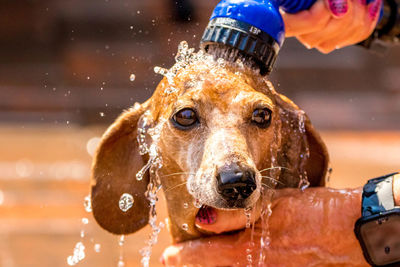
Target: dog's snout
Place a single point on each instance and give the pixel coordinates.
(235, 183)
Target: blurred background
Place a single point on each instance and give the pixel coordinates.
(65, 69)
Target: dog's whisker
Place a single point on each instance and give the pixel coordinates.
(277, 167)
(273, 179)
(173, 187)
(178, 173)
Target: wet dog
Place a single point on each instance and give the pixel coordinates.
(224, 137)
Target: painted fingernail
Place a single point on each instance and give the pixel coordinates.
(374, 9)
(338, 7)
(162, 260)
(206, 215)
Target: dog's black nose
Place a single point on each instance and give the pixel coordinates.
(234, 183)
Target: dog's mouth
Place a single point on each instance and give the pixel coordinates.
(206, 215)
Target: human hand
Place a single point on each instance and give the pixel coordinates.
(333, 24)
(313, 227)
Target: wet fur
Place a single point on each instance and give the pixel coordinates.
(224, 100)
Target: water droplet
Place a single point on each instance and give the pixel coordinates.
(197, 203)
(247, 212)
(85, 220)
(125, 202)
(121, 240)
(121, 263)
(185, 205)
(132, 77)
(97, 248)
(304, 184)
(82, 233)
(101, 114)
(249, 258)
(185, 226)
(139, 175)
(160, 70)
(87, 203)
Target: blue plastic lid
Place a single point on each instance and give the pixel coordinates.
(261, 14)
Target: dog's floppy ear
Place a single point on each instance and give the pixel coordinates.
(302, 149)
(115, 164)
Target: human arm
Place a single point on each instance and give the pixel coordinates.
(305, 228)
(310, 227)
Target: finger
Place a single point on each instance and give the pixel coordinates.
(365, 25)
(306, 21)
(348, 35)
(333, 29)
(337, 42)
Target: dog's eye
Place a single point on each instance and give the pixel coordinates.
(185, 117)
(261, 117)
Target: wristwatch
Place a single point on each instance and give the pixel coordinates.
(378, 229)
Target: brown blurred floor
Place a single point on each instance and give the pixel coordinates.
(44, 174)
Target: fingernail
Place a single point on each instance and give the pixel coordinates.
(374, 9)
(338, 7)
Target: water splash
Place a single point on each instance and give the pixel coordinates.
(249, 251)
(305, 151)
(78, 254)
(79, 250)
(125, 202)
(146, 252)
(148, 139)
(247, 213)
(121, 242)
(184, 57)
(266, 211)
(87, 203)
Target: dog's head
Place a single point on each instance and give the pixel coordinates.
(223, 136)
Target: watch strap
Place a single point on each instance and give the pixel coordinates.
(377, 195)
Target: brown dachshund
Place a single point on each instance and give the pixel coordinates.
(225, 136)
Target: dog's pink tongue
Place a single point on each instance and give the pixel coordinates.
(206, 215)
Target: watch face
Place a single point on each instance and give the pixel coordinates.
(382, 239)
